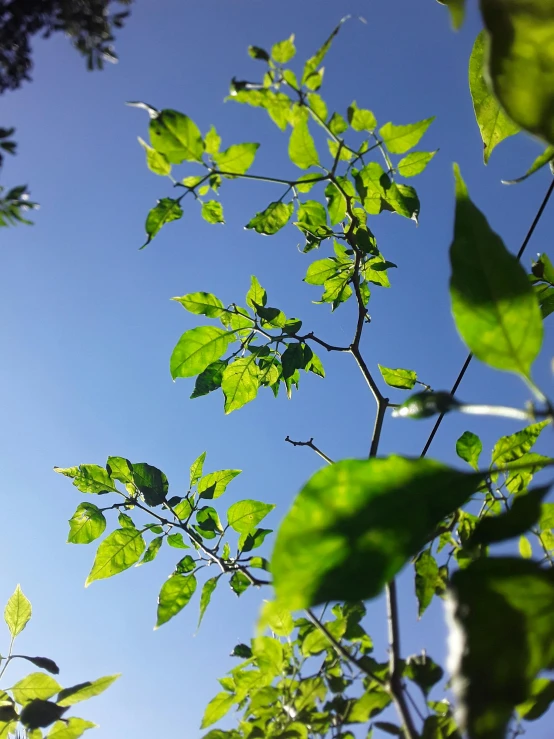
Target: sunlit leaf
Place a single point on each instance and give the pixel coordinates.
(84, 691)
(217, 708)
(426, 575)
(400, 378)
(209, 380)
(176, 136)
(414, 163)
(360, 119)
(202, 303)
(175, 594)
(206, 595)
(399, 139)
(151, 483)
(302, 151)
(240, 382)
(283, 51)
(166, 210)
(73, 728)
(198, 348)
(87, 524)
(214, 484)
(155, 160)
(468, 448)
(272, 219)
(89, 478)
(212, 211)
(36, 685)
(245, 515)
(17, 612)
(236, 160)
(119, 551)
(457, 11)
(196, 469)
(512, 447)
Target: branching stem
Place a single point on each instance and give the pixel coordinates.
(310, 443)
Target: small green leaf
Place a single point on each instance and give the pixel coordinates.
(277, 618)
(196, 469)
(256, 295)
(119, 551)
(512, 447)
(125, 521)
(360, 119)
(337, 124)
(284, 51)
(401, 378)
(208, 522)
(217, 708)
(84, 691)
(119, 468)
(245, 515)
(155, 160)
(176, 541)
(321, 270)
(89, 478)
(175, 594)
(214, 484)
(87, 524)
(414, 163)
(166, 210)
(206, 595)
(240, 383)
(185, 566)
(272, 219)
(336, 204)
(302, 151)
(318, 105)
(73, 728)
(356, 523)
(212, 142)
(313, 62)
(457, 11)
(252, 540)
(426, 576)
(197, 349)
(525, 548)
(236, 160)
(203, 304)
(212, 211)
(17, 612)
(257, 53)
(35, 685)
(151, 551)
(469, 448)
(399, 139)
(151, 483)
(239, 583)
(495, 310)
(370, 704)
(423, 672)
(176, 136)
(494, 124)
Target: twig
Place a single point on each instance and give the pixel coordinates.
(311, 444)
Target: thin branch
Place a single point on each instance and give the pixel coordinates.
(379, 418)
(324, 344)
(277, 180)
(367, 375)
(310, 444)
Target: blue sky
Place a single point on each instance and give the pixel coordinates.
(88, 326)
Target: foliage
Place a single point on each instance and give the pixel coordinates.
(357, 523)
(28, 704)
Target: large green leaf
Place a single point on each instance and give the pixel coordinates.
(89, 478)
(198, 348)
(236, 160)
(217, 708)
(240, 382)
(494, 307)
(272, 219)
(36, 685)
(399, 139)
(245, 515)
(119, 551)
(302, 151)
(469, 448)
(401, 378)
(87, 524)
(175, 594)
(201, 303)
(150, 482)
(512, 447)
(494, 124)
(521, 61)
(165, 211)
(176, 136)
(84, 691)
(17, 612)
(210, 379)
(214, 484)
(356, 523)
(502, 637)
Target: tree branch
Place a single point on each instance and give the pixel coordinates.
(311, 444)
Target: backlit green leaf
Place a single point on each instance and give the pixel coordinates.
(89, 478)
(198, 348)
(176, 136)
(313, 62)
(400, 378)
(150, 482)
(176, 541)
(208, 523)
(151, 551)
(256, 295)
(167, 210)
(318, 105)
(236, 160)
(426, 576)
(457, 11)
(86, 524)
(277, 618)
(399, 139)
(252, 540)
(119, 468)
(73, 728)
(175, 594)
(283, 51)
(212, 211)
(495, 310)
(414, 163)
(239, 583)
(155, 160)
(423, 672)
(268, 653)
(320, 271)
(360, 119)
(17, 612)
(36, 685)
(204, 304)
(521, 62)
(512, 447)
(245, 515)
(217, 708)
(196, 469)
(356, 523)
(206, 595)
(272, 219)
(209, 380)
(468, 448)
(84, 691)
(336, 203)
(370, 704)
(214, 484)
(240, 383)
(119, 551)
(212, 141)
(302, 151)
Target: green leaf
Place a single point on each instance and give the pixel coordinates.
(84, 691)
(423, 672)
(89, 478)
(399, 139)
(313, 62)
(414, 163)
(17, 612)
(151, 483)
(209, 380)
(495, 310)
(40, 713)
(426, 576)
(36, 685)
(73, 728)
(525, 548)
(43, 662)
(469, 448)
(206, 595)
(208, 522)
(356, 523)
(336, 203)
(284, 51)
(543, 269)
(197, 349)
(252, 540)
(401, 378)
(272, 219)
(239, 583)
(214, 484)
(217, 708)
(258, 53)
(375, 271)
(457, 13)
(337, 124)
(512, 447)
(256, 295)
(151, 551)
(320, 271)
(155, 160)
(542, 695)
(176, 136)
(236, 160)
(269, 655)
(119, 551)
(240, 383)
(360, 119)
(175, 594)
(176, 541)
(302, 151)
(494, 124)
(245, 515)
(212, 141)
(369, 705)
(276, 618)
(318, 105)
(166, 210)
(521, 63)
(494, 668)
(196, 469)
(523, 515)
(185, 565)
(125, 521)
(86, 524)
(425, 405)
(203, 304)
(212, 211)
(119, 468)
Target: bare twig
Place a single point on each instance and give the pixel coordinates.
(310, 443)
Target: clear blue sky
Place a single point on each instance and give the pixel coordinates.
(88, 326)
